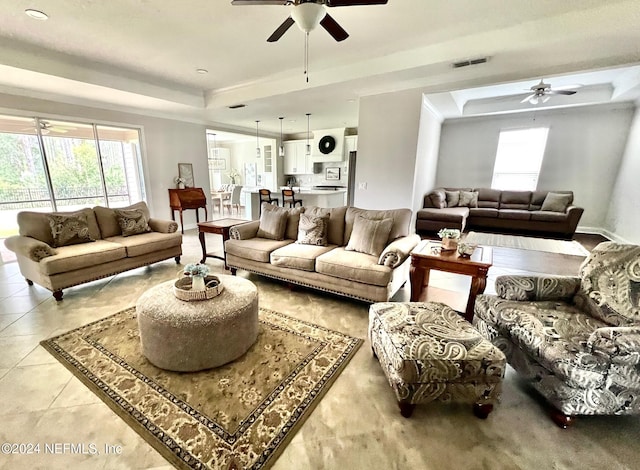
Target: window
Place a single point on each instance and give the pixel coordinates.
(48, 164)
(519, 158)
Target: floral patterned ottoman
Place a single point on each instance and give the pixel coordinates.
(430, 352)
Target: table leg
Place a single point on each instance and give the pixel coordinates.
(204, 247)
(478, 283)
(225, 237)
(419, 278)
(181, 222)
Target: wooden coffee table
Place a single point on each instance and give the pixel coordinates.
(220, 227)
(427, 256)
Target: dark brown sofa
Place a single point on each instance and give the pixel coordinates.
(549, 213)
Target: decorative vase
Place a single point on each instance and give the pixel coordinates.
(449, 243)
(180, 185)
(197, 283)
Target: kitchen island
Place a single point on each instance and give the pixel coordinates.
(310, 197)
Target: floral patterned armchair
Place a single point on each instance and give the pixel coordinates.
(575, 339)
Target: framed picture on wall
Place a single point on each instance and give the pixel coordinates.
(218, 164)
(185, 171)
(332, 173)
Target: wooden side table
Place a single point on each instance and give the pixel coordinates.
(427, 256)
(189, 198)
(220, 227)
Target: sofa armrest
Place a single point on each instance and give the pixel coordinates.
(523, 288)
(244, 231)
(398, 251)
(163, 226)
(29, 247)
(573, 217)
(621, 344)
(436, 198)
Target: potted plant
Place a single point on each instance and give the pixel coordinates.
(197, 273)
(449, 237)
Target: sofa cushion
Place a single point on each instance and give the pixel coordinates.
(452, 198)
(84, 255)
(556, 202)
(353, 266)
(256, 249)
(401, 220)
(369, 235)
(148, 242)
(273, 222)
(552, 333)
(108, 222)
(489, 197)
(293, 219)
(537, 198)
(483, 212)
(132, 222)
(69, 229)
(514, 214)
(610, 284)
(547, 216)
(36, 224)
(298, 256)
(312, 230)
(335, 230)
(468, 199)
(450, 214)
(515, 200)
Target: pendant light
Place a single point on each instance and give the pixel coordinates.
(257, 141)
(308, 134)
(281, 150)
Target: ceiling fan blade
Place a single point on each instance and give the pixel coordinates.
(261, 2)
(351, 3)
(528, 98)
(568, 87)
(277, 34)
(561, 92)
(333, 28)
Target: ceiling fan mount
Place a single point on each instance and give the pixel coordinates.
(541, 92)
(308, 14)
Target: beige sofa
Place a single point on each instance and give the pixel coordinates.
(102, 252)
(331, 268)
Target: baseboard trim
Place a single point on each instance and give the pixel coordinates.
(604, 232)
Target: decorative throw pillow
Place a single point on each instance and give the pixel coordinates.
(132, 222)
(312, 230)
(369, 236)
(452, 198)
(556, 202)
(273, 222)
(69, 229)
(468, 199)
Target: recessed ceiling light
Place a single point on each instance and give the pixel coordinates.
(202, 71)
(36, 14)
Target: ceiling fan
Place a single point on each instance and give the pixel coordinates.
(541, 92)
(308, 14)
(46, 127)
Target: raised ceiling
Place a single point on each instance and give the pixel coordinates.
(142, 56)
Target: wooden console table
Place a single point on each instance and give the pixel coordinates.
(189, 198)
(221, 227)
(427, 256)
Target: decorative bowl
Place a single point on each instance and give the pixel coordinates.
(465, 250)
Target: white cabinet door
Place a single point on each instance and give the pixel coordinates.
(296, 160)
(290, 158)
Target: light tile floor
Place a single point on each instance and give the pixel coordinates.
(356, 425)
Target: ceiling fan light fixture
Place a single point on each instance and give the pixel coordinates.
(308, 15)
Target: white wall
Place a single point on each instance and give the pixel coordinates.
(387, 142)
(584, 151)
(623, 217)
(426, 155)
(165, 143)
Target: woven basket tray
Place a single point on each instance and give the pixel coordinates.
(182, 289)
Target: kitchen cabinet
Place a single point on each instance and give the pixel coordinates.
(296, 160)
(350, 145)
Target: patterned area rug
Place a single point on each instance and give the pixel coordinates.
(237, 416)
(565, 247)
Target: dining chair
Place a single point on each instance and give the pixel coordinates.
(265, 196)
(234, 200)
(289, 197)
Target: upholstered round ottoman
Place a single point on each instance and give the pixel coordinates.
(191, 336)
(430, 352)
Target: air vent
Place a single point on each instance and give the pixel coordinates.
(466, 63)
(236, 106)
